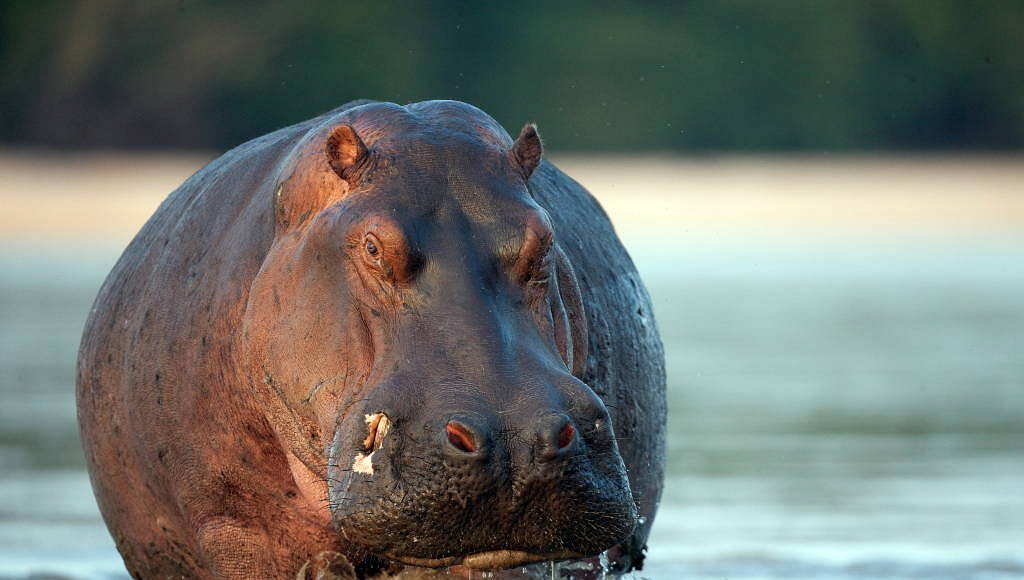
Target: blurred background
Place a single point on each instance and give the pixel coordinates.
(826, 200)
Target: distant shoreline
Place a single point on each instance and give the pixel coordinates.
(52, 196)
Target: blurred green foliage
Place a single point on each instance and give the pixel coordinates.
(827, 75)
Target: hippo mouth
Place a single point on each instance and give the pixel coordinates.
(489, 560)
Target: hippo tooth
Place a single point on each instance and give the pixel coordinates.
(379, 425)
(363, 464)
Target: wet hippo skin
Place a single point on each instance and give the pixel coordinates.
(387, 339)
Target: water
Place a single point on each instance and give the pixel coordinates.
(840, 408)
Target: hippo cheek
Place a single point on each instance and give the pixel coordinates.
(437, 496)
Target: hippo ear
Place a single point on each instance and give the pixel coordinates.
(345, 152)
(528, 149)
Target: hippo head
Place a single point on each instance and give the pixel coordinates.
(416, 334)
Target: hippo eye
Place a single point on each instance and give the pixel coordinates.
(372, 246)
(532, 265)
(541, 271)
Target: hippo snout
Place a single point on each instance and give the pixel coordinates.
(485, 488)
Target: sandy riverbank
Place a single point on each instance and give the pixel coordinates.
(110, 195)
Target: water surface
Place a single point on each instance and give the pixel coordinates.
(840, 408)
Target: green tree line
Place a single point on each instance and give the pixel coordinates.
(745, 75)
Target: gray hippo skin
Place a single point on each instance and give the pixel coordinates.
(387, 340)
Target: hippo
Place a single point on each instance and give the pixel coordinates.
(389, 340)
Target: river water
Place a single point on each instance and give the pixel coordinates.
(842, 408)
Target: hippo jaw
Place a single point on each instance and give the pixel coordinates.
(490, 560)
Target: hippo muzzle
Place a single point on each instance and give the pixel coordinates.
(436, 482)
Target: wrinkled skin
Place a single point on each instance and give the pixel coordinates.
(384, 340)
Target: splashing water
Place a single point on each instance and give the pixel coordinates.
(590, 569)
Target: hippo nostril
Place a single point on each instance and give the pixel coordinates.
(566, 435)
(460, 437)
(555, 436)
